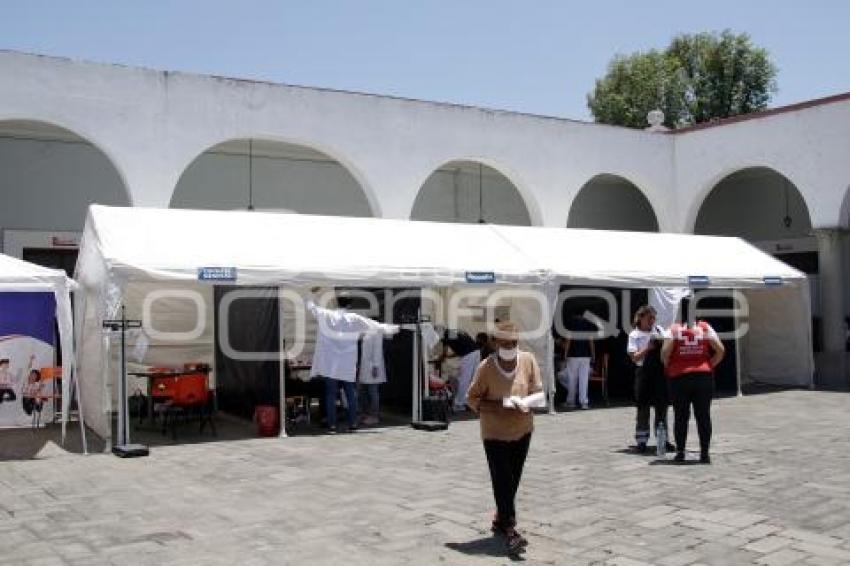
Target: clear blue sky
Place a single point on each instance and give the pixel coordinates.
(531, 56)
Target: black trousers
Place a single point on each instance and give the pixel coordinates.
(695, 389)
(506, 460)
(30, 404)
(7, 394)
(650, 391)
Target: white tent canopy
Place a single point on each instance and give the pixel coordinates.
(647, 259)
(123, 247)
(21, 276)
(777, 348)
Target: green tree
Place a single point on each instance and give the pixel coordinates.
(697, 78)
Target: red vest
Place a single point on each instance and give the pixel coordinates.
(691, 350)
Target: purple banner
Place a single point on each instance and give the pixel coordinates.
(28, 314)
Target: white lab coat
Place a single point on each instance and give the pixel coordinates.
(335, 355)
(372, 368)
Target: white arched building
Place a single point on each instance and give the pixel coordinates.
(73, 133)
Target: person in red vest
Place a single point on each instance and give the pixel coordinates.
(690, 353)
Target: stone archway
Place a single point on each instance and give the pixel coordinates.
(50, 175)
(757, 204)
(470, 192)
(270, 175)
(611, 202)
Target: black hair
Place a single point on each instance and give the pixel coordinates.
(685, 305)
(4, 361)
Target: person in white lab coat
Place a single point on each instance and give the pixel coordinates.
(335, 356)
(372, 373)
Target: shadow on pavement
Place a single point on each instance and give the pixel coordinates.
(485, 546)
(674, 463)
(45, 442)
(648, 453)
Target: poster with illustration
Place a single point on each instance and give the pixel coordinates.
(27, 342)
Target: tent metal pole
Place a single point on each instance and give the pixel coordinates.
(107, 382)
(281, 364)
(736, 322)
(414, 402)
(80, 413)
(550, 353)
(125, 435)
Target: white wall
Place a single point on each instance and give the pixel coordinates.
(48, 185)
(809, 146)
(609, 202)
(153, 124)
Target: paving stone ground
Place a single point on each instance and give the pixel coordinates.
(778, 492)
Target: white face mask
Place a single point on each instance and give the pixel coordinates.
(508, 355)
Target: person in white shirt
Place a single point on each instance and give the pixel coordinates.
(7, 382)
(644, 349)
(32, 399)
(335, 355)
(580, 351)
(372, 373)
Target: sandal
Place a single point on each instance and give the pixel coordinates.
(497, 529)
(514, 542)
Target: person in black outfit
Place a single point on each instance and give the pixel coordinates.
(644, 349)
(485, 344)
(457, 343)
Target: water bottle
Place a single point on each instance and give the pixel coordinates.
(661, 440)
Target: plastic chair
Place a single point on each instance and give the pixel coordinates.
(54, 376)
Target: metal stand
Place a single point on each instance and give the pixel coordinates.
(420, 378)
(123, 449)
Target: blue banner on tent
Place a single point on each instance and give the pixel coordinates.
(26, 348)
(480, 277)
(217, 274)
(28, 314)
(698, 281)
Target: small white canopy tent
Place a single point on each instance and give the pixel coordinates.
(777, 348)
(125, 249)
(21, 276)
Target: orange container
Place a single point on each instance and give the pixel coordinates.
(183, 390)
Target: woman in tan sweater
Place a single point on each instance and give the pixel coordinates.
(504, 388)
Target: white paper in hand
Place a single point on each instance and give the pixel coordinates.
(535, 400)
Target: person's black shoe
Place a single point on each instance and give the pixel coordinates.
(669, 447)
(704, 458)
(679, 458)
(352, 428)
(331, 430)
(515, 542)
(641, 447)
